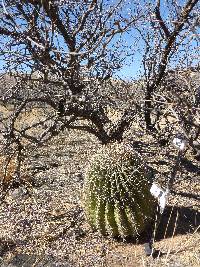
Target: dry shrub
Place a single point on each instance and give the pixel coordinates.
(9, 171)
(113, 114)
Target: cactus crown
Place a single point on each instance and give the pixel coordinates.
(117, 199)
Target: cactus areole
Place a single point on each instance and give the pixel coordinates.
(117, 196)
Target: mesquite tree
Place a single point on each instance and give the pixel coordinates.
(171, 71)
(171, 42)
(64, 57)
(62, 53)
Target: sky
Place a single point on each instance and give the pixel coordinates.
(132, 65)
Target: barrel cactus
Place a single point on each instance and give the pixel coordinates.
(117, 196)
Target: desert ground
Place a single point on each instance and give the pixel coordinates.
(42, 222)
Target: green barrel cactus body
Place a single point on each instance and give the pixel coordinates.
(117, 196)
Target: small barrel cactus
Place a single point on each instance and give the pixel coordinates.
(117, 196)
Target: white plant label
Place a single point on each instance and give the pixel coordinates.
(161, 195)
(179, 143)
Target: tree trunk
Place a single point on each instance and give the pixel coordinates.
(148, 108)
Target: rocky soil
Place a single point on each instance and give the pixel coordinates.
(42, 223)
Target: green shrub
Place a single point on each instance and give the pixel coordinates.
(117, 199)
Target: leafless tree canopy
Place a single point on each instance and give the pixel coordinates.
(65, 50)
(64, 57)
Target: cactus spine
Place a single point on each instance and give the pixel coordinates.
(117, 199)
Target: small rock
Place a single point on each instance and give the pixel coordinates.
(19, 192)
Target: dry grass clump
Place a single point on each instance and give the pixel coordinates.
(113, 114)
(7, 170)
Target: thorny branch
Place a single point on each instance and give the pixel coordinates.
(63, 58)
